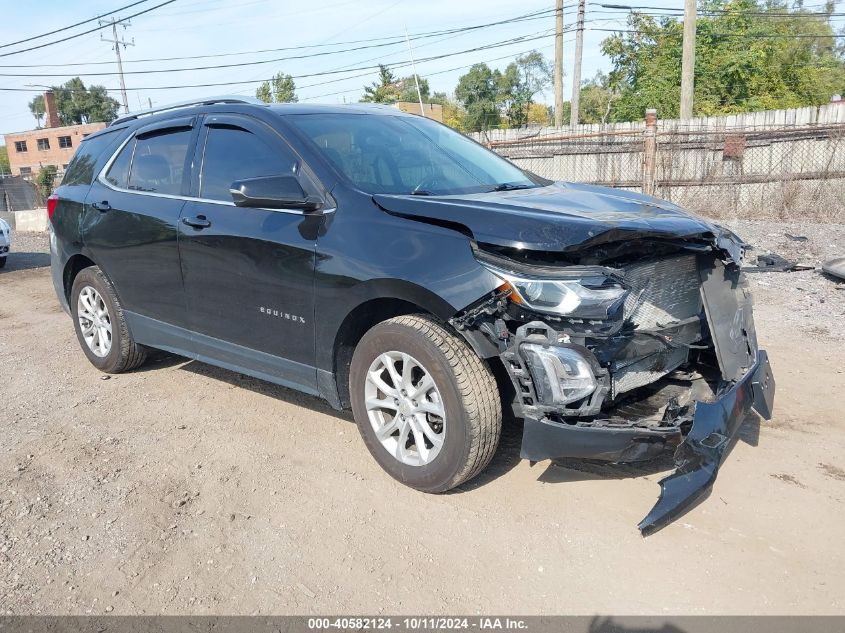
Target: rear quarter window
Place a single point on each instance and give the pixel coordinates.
(81, 170)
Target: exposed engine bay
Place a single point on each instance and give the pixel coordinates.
(626, 349)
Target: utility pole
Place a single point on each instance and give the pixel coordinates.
(117, 44)
(414, 70)
(576, 74)
(688, 60)
(559, 63)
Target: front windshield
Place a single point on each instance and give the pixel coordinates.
(407, 155)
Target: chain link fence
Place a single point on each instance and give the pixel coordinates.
(721, 167)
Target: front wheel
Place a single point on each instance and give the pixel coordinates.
(425, 404)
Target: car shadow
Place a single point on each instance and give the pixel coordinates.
(641, 624)
(507, 455)
(264, 388)
(567, 470)
(17, 260)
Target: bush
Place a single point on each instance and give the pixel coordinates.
(45, 179)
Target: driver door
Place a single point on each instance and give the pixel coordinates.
(248, 272)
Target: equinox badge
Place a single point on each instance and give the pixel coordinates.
(282, 315)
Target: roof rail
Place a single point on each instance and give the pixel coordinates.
(187, 104)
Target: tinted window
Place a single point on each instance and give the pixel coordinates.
(233, 154)
(118, 173)
(405, 154)
(80, 171)
(158, 163)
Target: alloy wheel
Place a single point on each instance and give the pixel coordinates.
(405, 408)
(94, 321)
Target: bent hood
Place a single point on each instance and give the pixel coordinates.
(560, 217)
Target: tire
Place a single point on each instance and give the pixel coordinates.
(463, 388)
(3, 261)
(123, 353)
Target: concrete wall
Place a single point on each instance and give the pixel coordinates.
(32, 220)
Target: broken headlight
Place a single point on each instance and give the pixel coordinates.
(561, 374)
(580, 293)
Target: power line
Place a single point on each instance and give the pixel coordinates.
(636, 8)
(98, 28)
(739, 35)
(438, 72)
(517, 40)
(394, 40)
(73, 26)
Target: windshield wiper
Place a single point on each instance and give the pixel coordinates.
(421, 192)
(507, 186)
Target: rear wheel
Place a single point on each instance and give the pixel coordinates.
(427, 407)
(100, 325)
(3, 261)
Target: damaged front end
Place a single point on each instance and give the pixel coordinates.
(622, 350)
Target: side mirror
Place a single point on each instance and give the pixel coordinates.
(273, 192)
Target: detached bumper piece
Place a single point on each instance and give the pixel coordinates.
(714, 427)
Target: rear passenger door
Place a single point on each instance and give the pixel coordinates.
(131, 219)
(248, 272)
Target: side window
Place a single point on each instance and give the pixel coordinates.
(158, 162)
(80, 171)
(118, 173)
(233, 154)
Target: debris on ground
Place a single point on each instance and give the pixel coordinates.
(835, 267)
(774, 263)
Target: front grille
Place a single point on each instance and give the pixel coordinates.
(647, 370)
(663, 292)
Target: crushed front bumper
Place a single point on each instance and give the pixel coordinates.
(700, 430)
(715, 424)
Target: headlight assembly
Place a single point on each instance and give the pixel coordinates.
(579, 293)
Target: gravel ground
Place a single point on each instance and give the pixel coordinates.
(808, 300)
(181, 488)
(29, 250)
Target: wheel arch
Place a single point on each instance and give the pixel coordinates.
(382, 300)
(74, 265)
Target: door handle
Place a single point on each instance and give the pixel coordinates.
(102, 207)
(199, 222)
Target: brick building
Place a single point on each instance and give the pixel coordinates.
(53, 144)
(432, 110)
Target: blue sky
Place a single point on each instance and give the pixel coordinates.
(211, 27)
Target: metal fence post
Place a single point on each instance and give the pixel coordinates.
(649, 151)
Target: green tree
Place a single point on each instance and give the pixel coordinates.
(77, 104)
(45, 179)
(4, 160)
(478, 92)
(597, 98)
(280, 89)
(745, 60)
(36, 106)
(385, 90)
(519, 84)
(407, 88)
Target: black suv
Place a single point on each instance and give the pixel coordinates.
(387, 263)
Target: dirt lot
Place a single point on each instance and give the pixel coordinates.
(182, 488)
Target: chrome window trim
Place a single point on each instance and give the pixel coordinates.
(101, 178)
